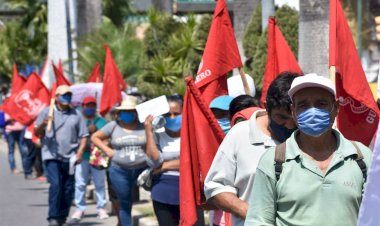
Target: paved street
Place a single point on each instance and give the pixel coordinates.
(24, 203)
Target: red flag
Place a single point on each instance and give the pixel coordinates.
(279, 57)
(17, 80)
(111, 66)
(60, 67)
(60, 79)
(221, 53)
(197, 143)
(25, 105)
(200, 133)
(113, 83)
(95, 74)
(358, 115)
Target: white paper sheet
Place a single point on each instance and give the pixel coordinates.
(157, 106)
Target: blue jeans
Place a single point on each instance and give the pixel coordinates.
(83, 171)
(61, 190)
(12, 138)
(123, 181)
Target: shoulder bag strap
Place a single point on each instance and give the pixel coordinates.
(279, 159)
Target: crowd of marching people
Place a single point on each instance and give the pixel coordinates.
(273, 166)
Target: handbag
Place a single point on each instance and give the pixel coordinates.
(145, 179)
(98, 158)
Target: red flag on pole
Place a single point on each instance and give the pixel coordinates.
(221, 53)
(95, 74)
(25, 105)
(112, 68)
(279, 57)
(60, 79)
(199, 143)
(200, 133)
(113, 84)
(17, 81)
(358, 115)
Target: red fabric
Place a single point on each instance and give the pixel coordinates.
(111, 66)
(17, 81)
(221, 53)
(245, 114)
(200, 139)
(60, 79)
(25, 105)
(113, 83)
(280, 58)
(201, 135)
(95, 74)
(358, 115)
(228, 218)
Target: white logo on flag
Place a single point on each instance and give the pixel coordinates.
(31, 106)
(203, 75)
(358, 109)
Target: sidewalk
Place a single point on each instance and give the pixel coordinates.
(24, 202)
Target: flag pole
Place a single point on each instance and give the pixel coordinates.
(51, 114)
(332, 73)
(244, 80)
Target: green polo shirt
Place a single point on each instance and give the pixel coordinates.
(303, 195)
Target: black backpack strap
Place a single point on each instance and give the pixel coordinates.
(279, 159)
(359, 160)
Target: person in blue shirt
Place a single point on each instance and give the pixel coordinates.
(84, 170)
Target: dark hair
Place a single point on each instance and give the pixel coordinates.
(175, 98)
(277, 94)
(242, 102)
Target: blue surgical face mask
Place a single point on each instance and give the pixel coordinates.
(314, 121)
(65, 99)
(281, 132)
(224, 124)
(127, 117)
(173, 124)
(89, 112)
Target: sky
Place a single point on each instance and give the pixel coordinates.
(292, 3)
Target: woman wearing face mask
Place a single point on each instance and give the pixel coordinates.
(127, 138)
(166, 145)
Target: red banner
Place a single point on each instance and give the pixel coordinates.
(358, 115)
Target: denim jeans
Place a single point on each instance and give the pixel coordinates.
(123, 181)
(83, 171)
(12, 138)
(61, 190)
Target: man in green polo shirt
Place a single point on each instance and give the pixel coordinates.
(321, 182)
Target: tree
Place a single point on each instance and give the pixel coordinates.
(24, 41)
(127, 50)
(256, 40)
(174, 49)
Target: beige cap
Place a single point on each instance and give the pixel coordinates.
(62, 89)
(128, 103)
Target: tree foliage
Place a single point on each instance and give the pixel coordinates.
(256, 40)
(127, 50)
(171, 49)
(24, 41)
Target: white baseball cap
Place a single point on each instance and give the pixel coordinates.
(310, 81)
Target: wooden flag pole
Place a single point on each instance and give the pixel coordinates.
(51, 114)
(332, 73)
(244, 80)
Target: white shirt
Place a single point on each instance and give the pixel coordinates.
(234, 166)
(170, 148)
